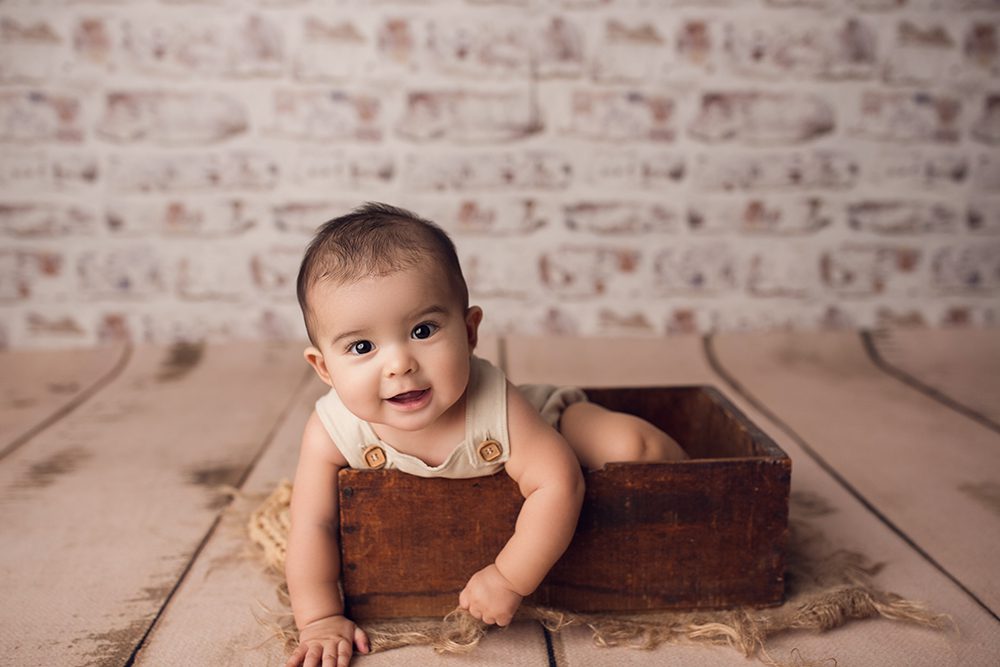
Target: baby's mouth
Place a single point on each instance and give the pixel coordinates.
(409, 397)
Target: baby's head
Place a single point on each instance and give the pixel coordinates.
(371, 241)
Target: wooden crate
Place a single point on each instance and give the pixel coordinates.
(705, 533)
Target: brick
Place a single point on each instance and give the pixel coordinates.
(121, 271)
(114, 327)
(326, 50)
(985, 173)
(535, 169)
(607, 115)
(468, 116)
(615, 323)
(191, 172)
(761, 117)
(967, 267)
(629, 52)
(55, 329)
(898, 116)
(621, 218)
(28, 51)
(898, 318)
(981, 46)
(791, 274)
(201, 277)
(94, 40)
(921, 170)
(589, 271)
(171, 118)
(492, 275)
(212, 44)
(396, 41)
(23, 172)
(491, 47)
(865, 270)
(20, 171)
(22, 220)
(986, 127)
(30, 274)
(772, 215)
(631, 171)
(685, 321)
(702, 269)
(273, 271)
(952, 5)
(983, 216)
(822, 168)
(695, 42)
(880, 4)
(332, 169)
(313, 115)
(922, 54)
(830, 50)
(902, 217)
(39, 116)
(211, 219)
(301, 217)
(492, 218)
(559, 48)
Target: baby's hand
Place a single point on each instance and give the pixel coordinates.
(334, 636)
(490, 597)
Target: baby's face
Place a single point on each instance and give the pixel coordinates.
(397, 348)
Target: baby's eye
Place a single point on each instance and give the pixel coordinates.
(361, 347)
(424, 330)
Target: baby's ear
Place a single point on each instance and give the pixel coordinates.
(315, 359)
(473, 318)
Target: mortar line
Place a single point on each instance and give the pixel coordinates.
(758, 405)
(268, 440)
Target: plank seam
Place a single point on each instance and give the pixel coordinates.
(914, 383)
(739, 388)
(550, 650)
(218, 519)
(72, 405)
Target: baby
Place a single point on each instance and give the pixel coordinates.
(387, 312)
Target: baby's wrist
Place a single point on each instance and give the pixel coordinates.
(510, 584)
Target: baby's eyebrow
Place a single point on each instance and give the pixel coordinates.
(436, 309)
(346, 334)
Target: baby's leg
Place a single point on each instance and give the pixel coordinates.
(600, 436)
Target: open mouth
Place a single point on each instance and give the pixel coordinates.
(410, 399)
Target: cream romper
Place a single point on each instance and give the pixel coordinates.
(486, 446)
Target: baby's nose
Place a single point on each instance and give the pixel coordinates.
(400, 362)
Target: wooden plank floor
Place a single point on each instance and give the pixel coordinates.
(119, 549)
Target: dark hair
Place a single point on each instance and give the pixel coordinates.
(376, 240)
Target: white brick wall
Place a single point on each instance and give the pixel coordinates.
(605, 166)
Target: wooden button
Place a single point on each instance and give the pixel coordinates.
(374, 456)
(490, 450)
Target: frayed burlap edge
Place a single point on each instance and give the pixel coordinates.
(826, 588)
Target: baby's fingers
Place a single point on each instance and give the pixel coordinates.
(295, 658)
(361, 640)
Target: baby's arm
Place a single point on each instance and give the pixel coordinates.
(312, 565)
(549, 477)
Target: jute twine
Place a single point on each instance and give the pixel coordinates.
(825, 588)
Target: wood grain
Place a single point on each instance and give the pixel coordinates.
(961, 364)
(918, 461)
(819, 503)
(219, 614)
(39, 386)
(101, 515)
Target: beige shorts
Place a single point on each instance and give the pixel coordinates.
(551, 401)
